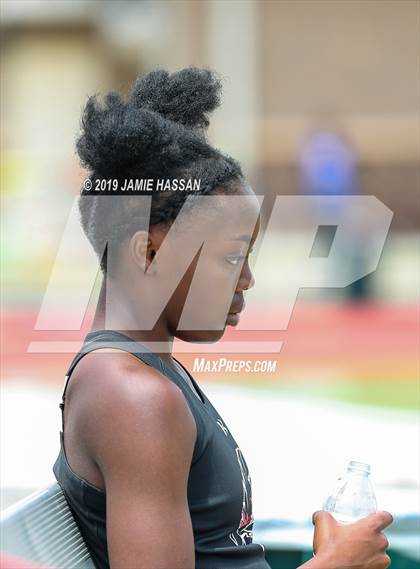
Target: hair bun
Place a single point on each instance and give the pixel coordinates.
(187, 96)
(116, 136)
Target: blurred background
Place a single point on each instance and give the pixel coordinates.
(320, 97)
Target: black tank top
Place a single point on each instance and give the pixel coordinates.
(219, 485)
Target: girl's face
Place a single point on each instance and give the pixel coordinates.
(210, 295)
(197, 269)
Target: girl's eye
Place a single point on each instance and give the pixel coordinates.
(235, 259)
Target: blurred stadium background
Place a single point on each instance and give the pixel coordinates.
(341, 75)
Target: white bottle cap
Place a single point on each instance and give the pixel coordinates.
(361, 466)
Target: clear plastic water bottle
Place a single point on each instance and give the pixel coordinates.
(353, 497)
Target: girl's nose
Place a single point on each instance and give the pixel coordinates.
(246, 281)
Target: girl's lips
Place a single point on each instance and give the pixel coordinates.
(232, 319)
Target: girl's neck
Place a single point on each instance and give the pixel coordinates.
(156, 340)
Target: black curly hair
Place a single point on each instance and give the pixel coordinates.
(158, 132)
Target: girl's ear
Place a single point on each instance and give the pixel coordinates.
(142, 252)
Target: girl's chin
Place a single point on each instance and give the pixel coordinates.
(232, 319)
(200, 336)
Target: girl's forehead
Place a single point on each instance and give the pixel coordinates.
(221, 217)
(233, 209)
(238, 217)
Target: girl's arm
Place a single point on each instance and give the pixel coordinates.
(141, 434)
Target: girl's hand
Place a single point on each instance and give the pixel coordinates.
(359, 545)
